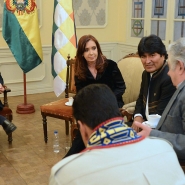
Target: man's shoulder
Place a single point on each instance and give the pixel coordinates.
(163, 72)
(159, 140)
(181, 93)
(64, 162)
(152, 139)
(157, 146)
(60, 167)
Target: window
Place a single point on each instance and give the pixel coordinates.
(165, 18)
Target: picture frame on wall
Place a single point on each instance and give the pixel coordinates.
(90, 14)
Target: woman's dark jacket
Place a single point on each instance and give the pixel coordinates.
(111, 77)
(1, 79)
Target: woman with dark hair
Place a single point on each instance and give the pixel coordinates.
(92, 67)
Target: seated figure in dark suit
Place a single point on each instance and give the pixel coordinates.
(6, 124)
(172, 123)
(156, 86)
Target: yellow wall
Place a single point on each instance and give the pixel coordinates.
(115, 30)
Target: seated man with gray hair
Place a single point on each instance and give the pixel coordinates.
(114, 153)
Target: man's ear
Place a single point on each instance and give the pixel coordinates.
(80, 124)
(84, 131)
(181, 67)
(82, 127)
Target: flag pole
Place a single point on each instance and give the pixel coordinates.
(25, 108)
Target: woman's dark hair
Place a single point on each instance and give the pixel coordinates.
(152, 44)
(81, 63)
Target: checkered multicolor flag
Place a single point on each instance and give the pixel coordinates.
(63, 42)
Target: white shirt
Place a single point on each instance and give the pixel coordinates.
(150, 161)
(146, 110)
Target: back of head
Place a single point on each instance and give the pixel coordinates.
(176, 52)
(152, 44)
(95, 104)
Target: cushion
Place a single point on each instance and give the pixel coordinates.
(131, 69)
(132, 104)
(58, 108)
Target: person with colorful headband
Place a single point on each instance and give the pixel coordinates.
(114, 153)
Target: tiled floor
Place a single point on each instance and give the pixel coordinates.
(28, 159)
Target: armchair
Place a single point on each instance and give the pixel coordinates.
(131, 69)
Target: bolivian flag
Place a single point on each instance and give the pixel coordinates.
(63, 42)
(21, 32)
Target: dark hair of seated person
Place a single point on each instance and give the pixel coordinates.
(93, 111)
(152, 44)
(93, 105)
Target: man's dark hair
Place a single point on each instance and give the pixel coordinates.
(95, 104)
(152, 44)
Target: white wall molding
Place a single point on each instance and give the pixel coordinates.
(116, 51)
(40, 80)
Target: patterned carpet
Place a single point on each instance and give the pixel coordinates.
(28, 159)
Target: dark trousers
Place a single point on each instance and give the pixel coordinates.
(77, 145)
(2, 118)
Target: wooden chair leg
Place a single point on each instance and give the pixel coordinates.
(45, 128)
(10, 138)
(74, 129)
(67, 127)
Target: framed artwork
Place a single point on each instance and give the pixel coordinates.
(39, 5)
(90, 13)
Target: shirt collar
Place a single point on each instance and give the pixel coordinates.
(179, 84)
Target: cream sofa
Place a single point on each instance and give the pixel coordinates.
(131, 69)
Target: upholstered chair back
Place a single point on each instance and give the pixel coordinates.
(70, 81)
(131, 69)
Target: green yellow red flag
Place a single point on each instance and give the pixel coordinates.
(21, 32)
